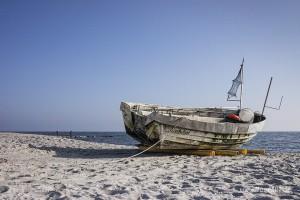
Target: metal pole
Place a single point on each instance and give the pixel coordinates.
(242, 78)
(267, 96)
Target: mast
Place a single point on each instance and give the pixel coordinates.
(236, 83)
(242, 78)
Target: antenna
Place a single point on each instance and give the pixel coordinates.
(242, 78)
(278, 108)
(266, 99)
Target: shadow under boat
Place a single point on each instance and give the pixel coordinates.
(84, 153)
(117, 138)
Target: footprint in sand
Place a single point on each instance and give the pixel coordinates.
(107, 185)
(227, 180)
(239, 188)
(92, 175)
(166, 182)
(251, 165)
(4, 188)
(210, 178)
(173, 187)
(144, 196)
(286, 178)
(262, 198)
(287, 197)
(162, 196)
(91, 170)
(75, 171)
(235, 171)
(53, 195)
(274, 181)
(237, 194)
(200, 198)
(175, 192)
(25, 175)
(28, 181)
(137, 179)
(85, 188)
(258, 176)
(186, 185)
(76, 195)
(194, 180)
(119, 190)
(296, 190)
(262, 186)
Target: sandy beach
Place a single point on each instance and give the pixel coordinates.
(50, 167)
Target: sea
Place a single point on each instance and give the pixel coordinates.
(270, 141)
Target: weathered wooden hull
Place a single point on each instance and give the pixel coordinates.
(187, 128)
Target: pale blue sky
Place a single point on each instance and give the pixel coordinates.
(68, 64)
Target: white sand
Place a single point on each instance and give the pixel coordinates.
(49, 167)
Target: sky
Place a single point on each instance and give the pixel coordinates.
(67, 65)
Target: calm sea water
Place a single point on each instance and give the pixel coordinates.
(276, 141)
(271, 141)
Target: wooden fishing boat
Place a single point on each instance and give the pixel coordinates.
(188, 128)
(194, 128)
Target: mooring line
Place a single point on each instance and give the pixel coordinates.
(146, 149)
(175, 126)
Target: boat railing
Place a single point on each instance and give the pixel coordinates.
(204, 112)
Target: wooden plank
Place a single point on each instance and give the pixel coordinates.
(226, 153)
(257, 151)
(205, 152)
(243, 151)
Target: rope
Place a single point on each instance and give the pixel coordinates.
(146, 149)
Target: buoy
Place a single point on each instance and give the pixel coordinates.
(233, 117)
(246, 115)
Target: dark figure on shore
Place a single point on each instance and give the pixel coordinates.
(70, 134)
